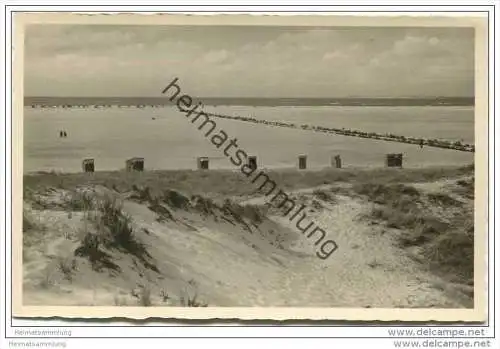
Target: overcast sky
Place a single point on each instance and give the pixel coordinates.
(232, 61)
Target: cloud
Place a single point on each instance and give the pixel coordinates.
(217, 56)
(239, 61)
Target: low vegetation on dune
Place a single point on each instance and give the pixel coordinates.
(105, 236)
(250, 218)
(324, 195)
(465, 187)
(165, 202)
(110, 229)
(140, 234)
(254, 214)
(439, 224)
(223, 183)
(115, 227)
(27, 221)
(32, 231)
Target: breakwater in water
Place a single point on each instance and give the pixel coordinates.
(457, 145)
(431, 142)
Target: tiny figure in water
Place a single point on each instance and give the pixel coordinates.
(60, 133)
(65, 134)
(421, 143)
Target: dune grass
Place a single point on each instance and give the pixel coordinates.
(33, 231)
(446, 242)
(325, 195)
(112, 229)
(145, 297)
(77, 200)
(221, 183)
(28, 223)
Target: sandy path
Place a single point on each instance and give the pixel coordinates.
(366, 270)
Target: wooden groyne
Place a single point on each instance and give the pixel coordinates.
(356, 133)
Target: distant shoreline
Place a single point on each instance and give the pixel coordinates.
(40, 101)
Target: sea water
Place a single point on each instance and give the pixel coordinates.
(167, 139)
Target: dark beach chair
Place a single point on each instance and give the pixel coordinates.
(302, 162)
(202, 163)
(394, 160)
(88, 165)
(135, 164)
(252, 162)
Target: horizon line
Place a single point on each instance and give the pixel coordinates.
(221, 97)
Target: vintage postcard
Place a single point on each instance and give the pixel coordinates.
(250, 167)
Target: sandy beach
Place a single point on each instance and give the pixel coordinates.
(170, 142)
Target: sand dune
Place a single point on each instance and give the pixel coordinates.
(190, 250)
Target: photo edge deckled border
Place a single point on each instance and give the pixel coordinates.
(478, 314)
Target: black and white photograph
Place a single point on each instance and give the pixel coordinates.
(168, 166)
